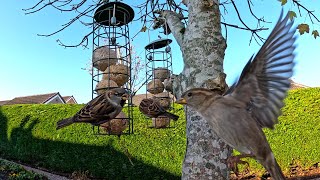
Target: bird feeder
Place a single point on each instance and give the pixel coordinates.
(158, 69)
(111, 59)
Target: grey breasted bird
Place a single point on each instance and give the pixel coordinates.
(153, 109)
(100, 109)
(254, 102)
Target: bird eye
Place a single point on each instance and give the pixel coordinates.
(116, 94)
(189, 94)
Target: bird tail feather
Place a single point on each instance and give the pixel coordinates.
(273, 167)
(64, 122)
(171, 116)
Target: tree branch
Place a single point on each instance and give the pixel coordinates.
(310, 13)
(253, 14)
(254, 34)
(173, 20)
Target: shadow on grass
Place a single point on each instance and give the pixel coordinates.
(103, 162)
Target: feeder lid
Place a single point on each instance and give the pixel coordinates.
(159, 43)
(104, 13)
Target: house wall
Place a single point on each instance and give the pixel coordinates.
(55, 100)
(71, 101)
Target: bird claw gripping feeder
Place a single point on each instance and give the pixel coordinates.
(111, 61)
(159, 71)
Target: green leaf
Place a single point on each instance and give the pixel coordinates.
(303, 28)
(315, 33)
(292, 15)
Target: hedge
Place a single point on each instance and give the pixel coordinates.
(27, 133)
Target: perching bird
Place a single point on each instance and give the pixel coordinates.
(100, 109)
(254, 102)
(153, 109)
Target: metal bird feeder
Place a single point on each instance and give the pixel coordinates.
(111, 61)
(158, 70)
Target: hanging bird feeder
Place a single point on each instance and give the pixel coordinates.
(159, 68)
(111, 60)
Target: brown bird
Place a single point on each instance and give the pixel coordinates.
(100, 109)
(254, 102)
(153, 109)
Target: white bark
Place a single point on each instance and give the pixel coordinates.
(203, 48)
(176, 24)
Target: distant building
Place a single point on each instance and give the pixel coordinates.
(295, 85)
(69, 100)
(3, 102)
(136, 99)
(51, 98)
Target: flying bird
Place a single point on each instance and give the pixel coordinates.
(254, 102)
(153, 109)
(99, 110)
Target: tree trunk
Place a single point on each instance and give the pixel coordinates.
(203, 47)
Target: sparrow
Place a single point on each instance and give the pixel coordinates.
(254, 102)
(153, 109)
(99, 110)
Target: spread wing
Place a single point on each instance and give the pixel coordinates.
(264, 81)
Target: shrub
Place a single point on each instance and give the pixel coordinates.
(28, 134)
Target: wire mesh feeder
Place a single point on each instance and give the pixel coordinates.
(158, 69)
(111, 61)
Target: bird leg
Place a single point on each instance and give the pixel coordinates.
(233, 162)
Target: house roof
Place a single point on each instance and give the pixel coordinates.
(136, 99)
(34, 99)
(4, 102)
(68, 98)
(294, 85)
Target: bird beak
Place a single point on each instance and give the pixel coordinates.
(125, 97)
(181, 101)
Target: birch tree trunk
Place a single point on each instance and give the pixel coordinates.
(203, 47)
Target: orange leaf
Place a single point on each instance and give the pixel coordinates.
(303, 28)
(315, 33)
(143, 29)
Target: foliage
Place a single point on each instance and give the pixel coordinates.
(28, 134)
(295, 139)
(302, 27)
(13, 171)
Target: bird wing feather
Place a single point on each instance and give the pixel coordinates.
(97, 108)
(264, 81)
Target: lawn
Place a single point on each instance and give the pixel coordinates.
(27, 133)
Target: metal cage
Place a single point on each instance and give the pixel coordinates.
(158, 70)
(111, 61)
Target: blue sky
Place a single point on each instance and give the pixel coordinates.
(36, 65)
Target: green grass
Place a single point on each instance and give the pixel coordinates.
(13, 171)
(296, 138)
(27, 133)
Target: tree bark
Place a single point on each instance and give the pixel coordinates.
(203, 47)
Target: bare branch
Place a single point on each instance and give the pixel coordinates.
(310, 13)
(244, 28)
(253, 31)
(259, 19)
(39, 9)
(33, 6)
(84, 42)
